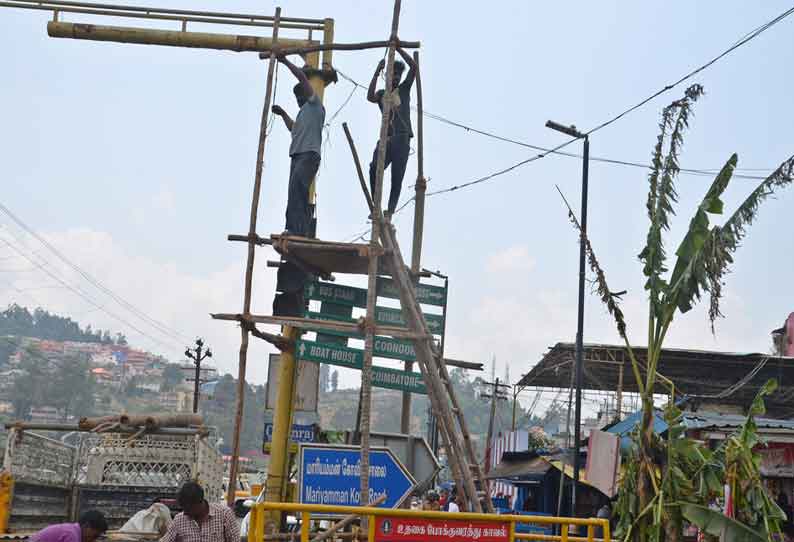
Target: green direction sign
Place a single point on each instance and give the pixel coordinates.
(386, 347)
(394, 317)
(353, 358)
(357, 297)
(384, 316)
(335, 293)
(425, 293)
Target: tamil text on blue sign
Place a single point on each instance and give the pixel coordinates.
(332, 475)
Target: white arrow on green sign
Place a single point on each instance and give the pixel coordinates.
(336, 293)
(425, 293)
(357, 297)
(353, 358)
(387, 317)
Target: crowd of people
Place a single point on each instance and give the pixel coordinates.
(442, 501)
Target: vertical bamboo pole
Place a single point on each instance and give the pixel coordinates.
(249, 268)
(419, 222)
(619, 410)
(374, 249)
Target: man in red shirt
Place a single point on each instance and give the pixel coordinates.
(201, 521)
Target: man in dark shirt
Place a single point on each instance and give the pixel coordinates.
(307, 136)
(399, 141)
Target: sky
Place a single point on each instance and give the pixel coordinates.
(136, 162)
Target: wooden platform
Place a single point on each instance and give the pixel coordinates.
(322, 325)
(324, 257)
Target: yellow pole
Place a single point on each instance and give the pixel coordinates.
(253, 524)
(370, 528)
(278, 467)
(282, 422)
(6, 495)
(305, 521)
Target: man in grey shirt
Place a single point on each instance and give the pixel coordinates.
(307, 136)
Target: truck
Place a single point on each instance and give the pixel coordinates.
(115, 472)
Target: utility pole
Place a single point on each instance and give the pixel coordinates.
(497, 394)
(577, 441)
(198, 354)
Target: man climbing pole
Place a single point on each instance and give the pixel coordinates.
(399, 141)
(304, 151)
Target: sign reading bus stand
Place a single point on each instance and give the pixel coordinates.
(412, 529)
(357, 297)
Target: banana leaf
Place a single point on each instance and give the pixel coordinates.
(716, 523)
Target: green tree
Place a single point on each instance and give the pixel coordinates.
(173, 375)
(72, 387)
(31, 387)
(661, 473)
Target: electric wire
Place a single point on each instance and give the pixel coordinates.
(140, 314)
(744, 40)
(83, 295)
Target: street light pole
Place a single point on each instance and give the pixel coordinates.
(577, 440)
(198, 354)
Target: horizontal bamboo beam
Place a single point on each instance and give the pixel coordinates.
(161, 15)
(321, 325)
(340, 47)
(463, 364)
(172, 38)
(60, 5)
(247, 239)
(28, 426)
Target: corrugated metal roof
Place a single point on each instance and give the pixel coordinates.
(704, 420)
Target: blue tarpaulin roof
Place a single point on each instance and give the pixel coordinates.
(624, 427)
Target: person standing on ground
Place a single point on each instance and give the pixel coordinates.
(91, 526)
(398, 144)
(201, 521)
(304, 151)
(455, 504)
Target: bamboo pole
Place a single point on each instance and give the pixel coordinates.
(146, 12)
(377, 218)
(419, 222)
(172, 38)
(354, 328)
(359, 171)
(249, 269)
(431, 373)
(302, 50)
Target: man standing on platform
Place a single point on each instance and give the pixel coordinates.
(398, 144)
(307, 136)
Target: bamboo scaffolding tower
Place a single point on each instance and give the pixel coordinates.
(381, 256)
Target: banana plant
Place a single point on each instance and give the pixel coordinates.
(660, 485)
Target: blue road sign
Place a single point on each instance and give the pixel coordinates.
(300, 433)
(331, 474)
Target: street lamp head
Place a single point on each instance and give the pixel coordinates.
(188, 353)
(199, 342)
(209, 353)
(567, 130)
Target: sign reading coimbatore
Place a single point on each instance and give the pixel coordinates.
(412, 529)
(353, 358)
